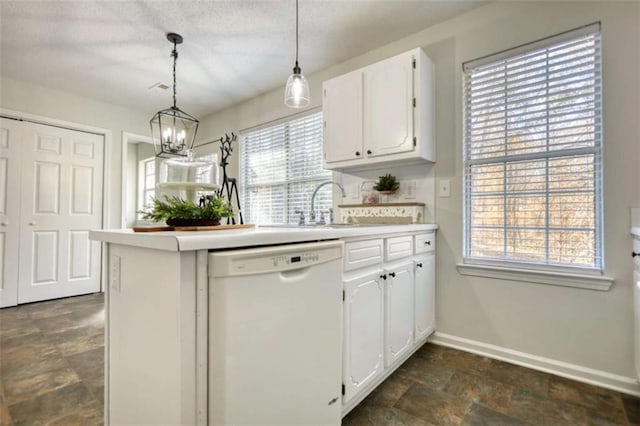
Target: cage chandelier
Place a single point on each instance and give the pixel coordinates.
(173, 130)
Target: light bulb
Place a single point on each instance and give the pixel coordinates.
(167, 135)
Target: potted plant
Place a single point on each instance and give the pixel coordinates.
(178, 212)
(387, 184)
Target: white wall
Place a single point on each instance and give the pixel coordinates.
(586, 328)
(31, 99)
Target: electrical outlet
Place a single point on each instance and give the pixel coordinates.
(445, 188)
(115, 272)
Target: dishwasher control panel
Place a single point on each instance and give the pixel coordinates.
(272, 259)
(291, 259)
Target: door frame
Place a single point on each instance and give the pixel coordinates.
(106, 165)
(126, 138)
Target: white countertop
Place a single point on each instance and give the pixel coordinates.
(258, 236)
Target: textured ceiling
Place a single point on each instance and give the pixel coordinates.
(233, 50)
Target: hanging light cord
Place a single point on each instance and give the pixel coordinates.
(297, 34)
(175, 59)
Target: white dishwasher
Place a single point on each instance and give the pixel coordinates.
(275, 341)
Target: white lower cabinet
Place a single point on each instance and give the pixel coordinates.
(363, 359)
(389, 308)
(398, 312)
(425, 292)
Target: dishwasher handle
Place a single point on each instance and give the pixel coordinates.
(295, 274)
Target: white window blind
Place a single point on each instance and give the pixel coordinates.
(281, 164)
(532, 158)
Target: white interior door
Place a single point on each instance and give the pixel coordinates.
(10, 142)
(61, 200)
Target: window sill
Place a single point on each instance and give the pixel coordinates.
(590, 282)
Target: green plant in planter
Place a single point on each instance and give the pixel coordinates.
(387, 183)
(174, 208)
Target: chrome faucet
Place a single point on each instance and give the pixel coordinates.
(312, 215)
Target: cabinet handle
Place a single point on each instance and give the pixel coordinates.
(357, 153)
(392, 274)
(369, 151)
(634, 254)
(427, 243)
(384, 277)
(32, 223)
(4, 223)
(419, 265)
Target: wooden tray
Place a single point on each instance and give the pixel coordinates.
(191, 228)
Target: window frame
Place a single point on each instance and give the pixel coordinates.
(534, 271)
(142, 185)
(243, 187)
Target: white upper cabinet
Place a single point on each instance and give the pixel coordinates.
(381, 114)
(341, 107)
(388, 106)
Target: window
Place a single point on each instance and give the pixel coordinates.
(146, 184)
(532, 157)
(280, 166)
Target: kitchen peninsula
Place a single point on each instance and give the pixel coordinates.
(162, 325)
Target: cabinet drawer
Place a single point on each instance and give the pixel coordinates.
(425, 242)
(362, 253)
(398, 247)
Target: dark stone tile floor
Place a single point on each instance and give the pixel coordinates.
(52, 362)
(443, 386)
(52, 373)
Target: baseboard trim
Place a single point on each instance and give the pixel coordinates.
(627, 385)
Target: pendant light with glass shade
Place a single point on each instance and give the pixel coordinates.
(296, 93)
(173, 130)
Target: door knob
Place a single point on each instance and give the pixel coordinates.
(32, 223)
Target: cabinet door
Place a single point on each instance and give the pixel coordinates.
(363, 332)
(399, 311)
(636, 314)
(10, 141)
(425, 292)
(342, 110)
(388, 106)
